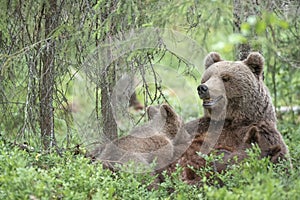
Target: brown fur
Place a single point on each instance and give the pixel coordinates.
(238, 108)
(233, 142)
(240, 83)
(161, 140)
(257, 134)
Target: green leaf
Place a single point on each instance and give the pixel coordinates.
(283, 24)
(245, 28)
(260, 27)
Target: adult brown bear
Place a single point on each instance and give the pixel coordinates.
(235, 99)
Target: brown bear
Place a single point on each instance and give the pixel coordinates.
(235, 99)
(162, 141)
(256, 134)
(238, 85)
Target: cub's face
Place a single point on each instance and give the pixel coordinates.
(165, 120)
(231, 156)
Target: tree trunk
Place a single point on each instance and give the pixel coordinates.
(47, 79)
(242, 9)
(107, 83)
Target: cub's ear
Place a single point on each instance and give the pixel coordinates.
(151, 111)
(252, 136)
(211, 58)
(167, 112)
(255, 61)
(172, 121)
(274, 151)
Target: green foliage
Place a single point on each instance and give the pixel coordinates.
(49, 176)
(254, 178)
(81, 25)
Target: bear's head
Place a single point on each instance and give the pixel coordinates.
(165, 120)
(235, 90)
(153, 141)
(252, 136)
(228, 155)
(272, 151)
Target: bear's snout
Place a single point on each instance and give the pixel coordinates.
(203, 91)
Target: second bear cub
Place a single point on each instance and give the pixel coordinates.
(162, 140)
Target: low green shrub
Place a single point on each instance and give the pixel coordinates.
(35, 175)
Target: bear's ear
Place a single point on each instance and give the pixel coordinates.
(167, 112)
(172, 121)
(274, 151)
(252, 136)
(151, 111)
(211, 58)
(255, 61)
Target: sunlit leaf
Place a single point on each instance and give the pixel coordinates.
(260, 27)
(252, 20)
(245, 28)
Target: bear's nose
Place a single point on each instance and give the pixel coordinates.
(203, 91)
(202, 88)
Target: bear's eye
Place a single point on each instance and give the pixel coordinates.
(226, 78)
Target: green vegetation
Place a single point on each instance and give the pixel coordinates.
(37, 175)
(53, 94)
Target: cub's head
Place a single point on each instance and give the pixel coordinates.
(253, 136)
(165, 119)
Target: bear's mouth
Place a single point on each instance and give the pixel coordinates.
(211, 102)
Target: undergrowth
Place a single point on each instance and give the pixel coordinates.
(35, 175)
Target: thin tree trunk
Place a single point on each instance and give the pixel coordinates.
(109, 123)
(108, 79)
(47, 79)
(242, 9)
(107, 85)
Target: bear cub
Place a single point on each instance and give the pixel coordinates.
(162, 140)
